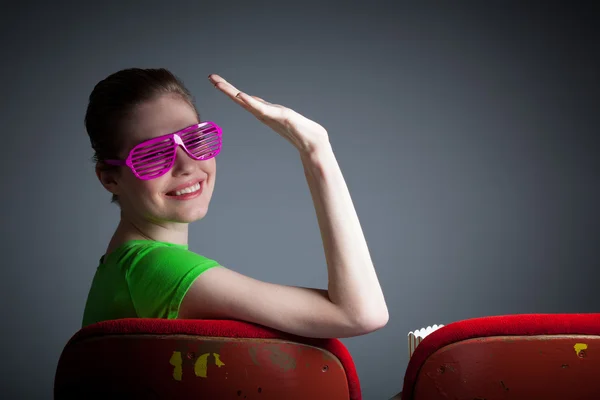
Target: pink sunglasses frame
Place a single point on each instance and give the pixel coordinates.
(176, 140)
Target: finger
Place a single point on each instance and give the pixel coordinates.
(225, 87)
(257, 106)
(253, 104)
(263, 100)
(230, 91)
(228, 88)
(214, 79)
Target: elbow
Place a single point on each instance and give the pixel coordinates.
(372, 321)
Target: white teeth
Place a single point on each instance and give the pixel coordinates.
(190, 189)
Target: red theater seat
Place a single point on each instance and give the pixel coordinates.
(201, 359)
(514, 357)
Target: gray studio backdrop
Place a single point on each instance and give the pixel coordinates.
(466, 133)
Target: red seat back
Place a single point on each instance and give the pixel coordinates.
(515, 357)
(216, 359)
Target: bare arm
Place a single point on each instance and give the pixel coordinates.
(354, 303)
(353, 284)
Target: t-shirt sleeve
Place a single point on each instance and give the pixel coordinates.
(160, 278)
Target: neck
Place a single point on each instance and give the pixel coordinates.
(131, 229)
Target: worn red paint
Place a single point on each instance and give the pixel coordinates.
(138, 366)
(513, 367)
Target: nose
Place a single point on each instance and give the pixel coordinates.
(184, 164)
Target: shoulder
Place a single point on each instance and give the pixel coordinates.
(163, 256)
(161, 252)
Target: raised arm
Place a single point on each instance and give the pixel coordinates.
(354, 303)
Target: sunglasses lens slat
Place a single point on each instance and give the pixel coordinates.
(165, 162)
(148, 171)
(207, 150)
(148, 152)
(142, 148)
(200, 144)
(151, 160)
(152, 155)
(203, 143)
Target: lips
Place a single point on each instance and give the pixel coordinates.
(184, 186)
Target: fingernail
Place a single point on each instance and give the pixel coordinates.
(238, 95)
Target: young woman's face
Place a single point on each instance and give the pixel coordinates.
(155, 200)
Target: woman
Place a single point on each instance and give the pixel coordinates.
(158, 161)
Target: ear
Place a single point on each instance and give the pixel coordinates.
(108, 178)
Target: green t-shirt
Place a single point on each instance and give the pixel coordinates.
(143, 279)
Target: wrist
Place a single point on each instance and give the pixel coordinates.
(316, 151)
(319, 161)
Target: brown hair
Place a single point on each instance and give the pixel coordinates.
(113, 101)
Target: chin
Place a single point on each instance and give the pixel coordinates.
(190, 217)
(187, 211)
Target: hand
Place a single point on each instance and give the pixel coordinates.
(304, 134)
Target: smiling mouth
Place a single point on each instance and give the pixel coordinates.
(188, 190)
